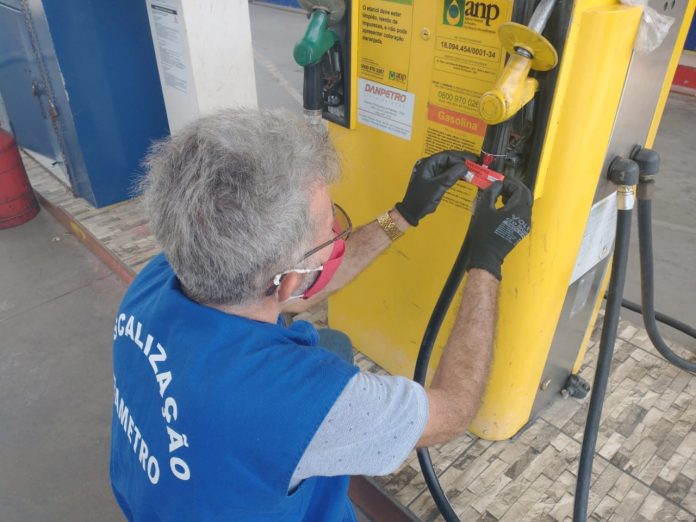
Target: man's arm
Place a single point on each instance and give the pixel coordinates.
(362, 248)
(393, 413)
(456, 389)
(455, 393)
(430, 179)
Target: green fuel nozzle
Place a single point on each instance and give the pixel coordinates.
(317, 40)
(311, 49)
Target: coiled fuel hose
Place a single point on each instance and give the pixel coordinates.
(606, 351)
(495, 143)
(647, 290)
(625, 173)
(426, 349)
(647, 163)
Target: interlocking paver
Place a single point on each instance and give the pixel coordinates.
(628, 507)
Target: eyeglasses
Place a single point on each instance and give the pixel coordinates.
(342, 228)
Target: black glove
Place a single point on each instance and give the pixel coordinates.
(430, 179)
(493, 233)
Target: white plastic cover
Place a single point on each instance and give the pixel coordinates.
(653, 27)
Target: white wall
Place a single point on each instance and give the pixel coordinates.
(204, 56)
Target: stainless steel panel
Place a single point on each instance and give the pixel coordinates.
(634, 117)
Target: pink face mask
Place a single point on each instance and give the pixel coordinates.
(328, 269)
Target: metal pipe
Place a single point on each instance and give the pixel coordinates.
(541, 15)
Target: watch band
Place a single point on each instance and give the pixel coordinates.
(387, 223)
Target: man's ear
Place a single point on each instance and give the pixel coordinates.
(288, 284)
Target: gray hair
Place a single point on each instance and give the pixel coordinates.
(228, 199)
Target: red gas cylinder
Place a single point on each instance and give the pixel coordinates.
(17, 202)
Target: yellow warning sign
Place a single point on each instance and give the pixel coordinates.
(467, 62)
(385, 41)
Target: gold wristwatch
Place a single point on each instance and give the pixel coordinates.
(387, 223)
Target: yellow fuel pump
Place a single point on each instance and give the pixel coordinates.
(401, 79)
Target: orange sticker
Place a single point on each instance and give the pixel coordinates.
(456, 120)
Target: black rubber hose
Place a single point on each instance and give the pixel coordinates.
(495, 142)
(606, 350)
(311, 92)
(426, 349)
(647, 287)
(686, 329)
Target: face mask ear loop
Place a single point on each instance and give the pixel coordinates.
(278, 278)
(291, 298)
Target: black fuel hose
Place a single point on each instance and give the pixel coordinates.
(495, 143)
(311, 92)
(608, 339)
(606, 350)
(647, 287)
(686, 329)
(650, 317)
(447, 294)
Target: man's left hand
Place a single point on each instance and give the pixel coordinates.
(430, 179)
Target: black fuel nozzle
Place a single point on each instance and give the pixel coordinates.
(648, 161)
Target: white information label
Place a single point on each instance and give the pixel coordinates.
(599, 236)
(169, 39)
(385, 108)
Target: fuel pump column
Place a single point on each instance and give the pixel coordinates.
(420, 77)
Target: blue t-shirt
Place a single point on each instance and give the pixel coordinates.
(212, 412)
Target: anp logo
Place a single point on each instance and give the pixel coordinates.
(453, 13)
(397, 76)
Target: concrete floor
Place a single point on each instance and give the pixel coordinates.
(274, 32)
(57, 304)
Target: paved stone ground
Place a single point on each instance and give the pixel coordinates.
(645, 468)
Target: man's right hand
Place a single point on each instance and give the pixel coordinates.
(455, 392)
(493, 233)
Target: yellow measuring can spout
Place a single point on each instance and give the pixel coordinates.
(512, 92)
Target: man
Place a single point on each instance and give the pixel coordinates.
(223, 413)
